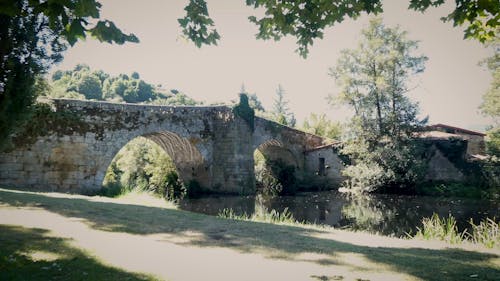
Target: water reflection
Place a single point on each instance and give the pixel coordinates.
(386, 214)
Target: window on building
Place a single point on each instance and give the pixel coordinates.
(321, 166)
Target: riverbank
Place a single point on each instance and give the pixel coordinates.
(177, 245)
(389, 215)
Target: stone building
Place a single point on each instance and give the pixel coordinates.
(449, 148)
(324, 166)
(475, 140)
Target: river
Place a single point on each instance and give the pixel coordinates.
(391, 215)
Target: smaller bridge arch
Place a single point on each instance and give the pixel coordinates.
(275, 150)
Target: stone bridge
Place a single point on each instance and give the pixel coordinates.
(210, 145)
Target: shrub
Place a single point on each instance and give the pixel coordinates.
(490, 177)
(267, 182)
(364, 177)
(111, 189)
(389, 167)
(174, 189)
(275, 177)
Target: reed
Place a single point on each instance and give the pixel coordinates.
(486, 233)
(273, 216)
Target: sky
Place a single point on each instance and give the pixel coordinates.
(449, 91)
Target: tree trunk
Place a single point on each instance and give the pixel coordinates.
(377, 100)
(395, 131)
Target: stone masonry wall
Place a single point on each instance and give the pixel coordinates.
(292, 141)
(77, 161)
(207, 144)
(332, 169)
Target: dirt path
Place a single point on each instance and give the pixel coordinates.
(157, 254)
(177, 245)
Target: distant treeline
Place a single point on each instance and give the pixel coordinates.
(84, 83)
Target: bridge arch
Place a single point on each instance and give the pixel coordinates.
(275, 163)
(275, 150)
(188, 160)
(189, 163)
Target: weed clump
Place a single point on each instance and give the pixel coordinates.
(486, 233)
(273, 216)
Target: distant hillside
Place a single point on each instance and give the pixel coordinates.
(86, 84)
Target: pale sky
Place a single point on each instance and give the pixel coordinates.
(449, 91)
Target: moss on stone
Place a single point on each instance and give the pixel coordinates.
(45, 120)
(244, 111)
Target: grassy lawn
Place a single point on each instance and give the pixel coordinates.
(352, 252)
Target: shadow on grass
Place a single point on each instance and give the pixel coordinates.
(281, 242)
(29, 254)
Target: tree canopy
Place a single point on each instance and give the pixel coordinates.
(491, 100)
(143, 165)
(318, 124)
(84, 83)
(373, 80)
(307, 20)
(33, 35)
(70, 20)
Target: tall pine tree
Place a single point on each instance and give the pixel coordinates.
(374, 79)
(281, 112)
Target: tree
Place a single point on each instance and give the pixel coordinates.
(491, 100)
(135, 75)
(307, 20)
(89, 85)
(85, 83)
(319, 124)
(33, 35)
(143, 165)
(281, 113)
(374, 80)
(255, 103)
(490, 168)
(176, 100)
(253, 100)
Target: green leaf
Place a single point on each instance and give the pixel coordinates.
(106, 31)
(87, 8)
(75, 31)
(196, 24)
(9, 8)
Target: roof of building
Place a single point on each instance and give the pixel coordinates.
(329, 145)
(437, 135)
(457, 129)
